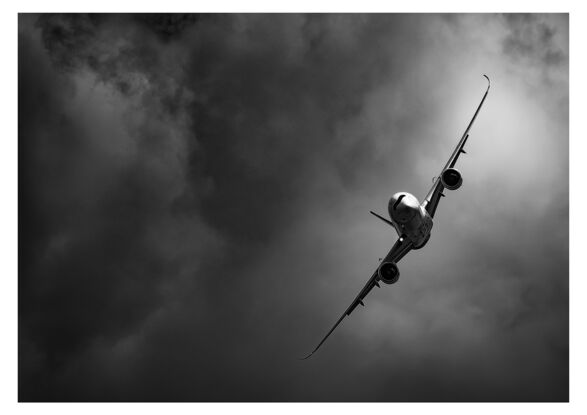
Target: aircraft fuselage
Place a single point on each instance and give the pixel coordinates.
(410, 218)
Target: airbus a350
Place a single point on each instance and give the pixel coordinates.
(412, 221)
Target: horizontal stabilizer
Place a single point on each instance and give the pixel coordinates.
(382, 218)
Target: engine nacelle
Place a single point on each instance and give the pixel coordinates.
(388, 272)
(451, 179)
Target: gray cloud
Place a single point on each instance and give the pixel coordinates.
(531, 37)
(194, 195)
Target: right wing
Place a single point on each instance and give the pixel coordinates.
(401, 247)
(433, 197)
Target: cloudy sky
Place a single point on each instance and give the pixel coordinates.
(194, 195)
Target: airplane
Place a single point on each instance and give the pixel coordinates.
(412, 221)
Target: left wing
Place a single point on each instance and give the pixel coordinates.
(431, 201)
(401, 247)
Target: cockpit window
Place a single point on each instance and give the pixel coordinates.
(399, 199)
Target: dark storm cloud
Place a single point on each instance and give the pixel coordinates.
(167, 26)
(102, 186)
(67, 36)
(193, 194)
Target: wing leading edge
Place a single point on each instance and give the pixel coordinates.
(431, 201)
(401, 247)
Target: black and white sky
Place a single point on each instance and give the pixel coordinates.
(194, 194)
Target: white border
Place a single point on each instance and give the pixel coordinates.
(8, 183)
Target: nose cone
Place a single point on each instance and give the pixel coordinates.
(403, 207)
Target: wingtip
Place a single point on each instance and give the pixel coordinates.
(307, 357)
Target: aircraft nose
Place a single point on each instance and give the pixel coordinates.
(403, 213)
(401, 207)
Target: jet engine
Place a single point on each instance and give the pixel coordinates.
(451, 179)
(388, 272)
